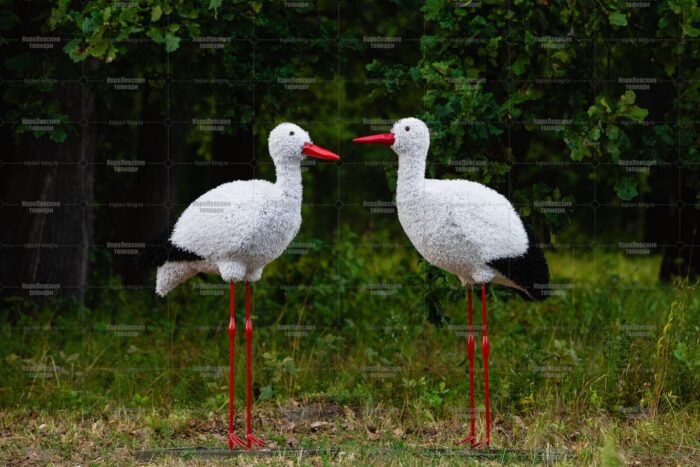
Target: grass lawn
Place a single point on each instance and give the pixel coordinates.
(348, 436)
(604, 372)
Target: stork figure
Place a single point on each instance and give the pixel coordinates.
(467, 229)
(235, 230)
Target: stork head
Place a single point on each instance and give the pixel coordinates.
(409, 137)
(289, 142)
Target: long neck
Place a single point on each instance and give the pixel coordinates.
(411, 176)
(289, 179)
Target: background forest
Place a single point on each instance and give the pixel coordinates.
(116, 115)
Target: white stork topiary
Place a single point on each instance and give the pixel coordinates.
(464, 228)
(235, 230)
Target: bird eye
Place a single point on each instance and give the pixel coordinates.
(291, 133)
(407, 128)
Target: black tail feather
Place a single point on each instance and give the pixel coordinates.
(529, 271)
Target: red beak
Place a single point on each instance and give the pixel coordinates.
(319, 153)
(384, 138)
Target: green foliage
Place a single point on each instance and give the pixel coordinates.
(673, 341)
(602, 135)
(610, 453)
(583, 344)
(104, 30)
(626, 188)
(467, 107)
(617, 19)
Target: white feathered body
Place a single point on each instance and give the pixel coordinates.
(237, 229)
(461, 226)
(250, 222)
(458, 225)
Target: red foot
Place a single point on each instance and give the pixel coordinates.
(234, 440)
(468, 439)
(254, 441)
(481, 444)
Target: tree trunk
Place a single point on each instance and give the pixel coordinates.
(682, 259)
(48, 244)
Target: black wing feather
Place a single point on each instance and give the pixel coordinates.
(529, 271)
(161, 250)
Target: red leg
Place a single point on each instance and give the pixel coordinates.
(470, 352)
(232, 438)
(252, 440)
(485, 354)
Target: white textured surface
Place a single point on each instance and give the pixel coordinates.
(456, 225)
(240, 227)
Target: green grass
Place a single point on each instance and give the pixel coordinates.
(349, 437)
(605, 371)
